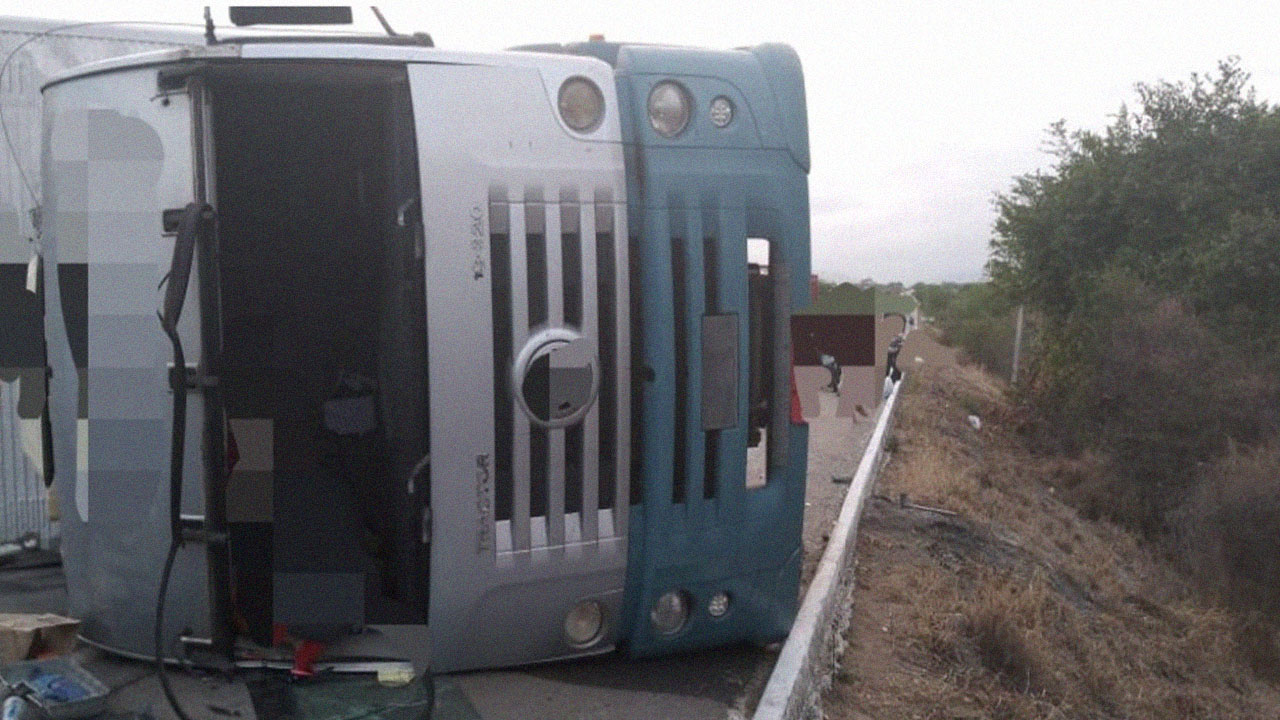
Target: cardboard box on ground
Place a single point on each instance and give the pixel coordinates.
(28, 635)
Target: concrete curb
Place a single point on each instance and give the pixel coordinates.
(809, 657)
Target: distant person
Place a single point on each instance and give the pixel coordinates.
(891, 365)
(833, 367)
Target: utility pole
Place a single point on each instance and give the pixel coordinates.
(1017, 347)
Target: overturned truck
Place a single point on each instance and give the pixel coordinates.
(459, 343)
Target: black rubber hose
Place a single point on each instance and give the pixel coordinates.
(161, 672)
(175, 295)
(177, 448)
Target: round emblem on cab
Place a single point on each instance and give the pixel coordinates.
(554, 378)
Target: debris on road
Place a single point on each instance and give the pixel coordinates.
(57, 688)
(26, 543)
(35, 635)
(904, 502)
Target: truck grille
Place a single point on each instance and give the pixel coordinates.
(560, 263)
(705, 325)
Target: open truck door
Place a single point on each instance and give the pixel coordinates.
(124, 154)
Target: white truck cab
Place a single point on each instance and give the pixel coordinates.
(400, 268)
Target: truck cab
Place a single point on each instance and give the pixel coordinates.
(472, 342)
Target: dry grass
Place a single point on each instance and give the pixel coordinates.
(1019, 607)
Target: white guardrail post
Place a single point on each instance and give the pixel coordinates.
(804, 667)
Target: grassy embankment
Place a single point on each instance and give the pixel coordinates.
(1016, 605)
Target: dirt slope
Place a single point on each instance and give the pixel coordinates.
(1015, 606)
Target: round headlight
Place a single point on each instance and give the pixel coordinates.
(721, 112)
(581, 104)
(670, 612)
(584, 624)
(669, 108)
(719, 604)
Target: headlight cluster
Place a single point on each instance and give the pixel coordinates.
(670, 613)
(671, 107)
(581, 104)
(584, 625)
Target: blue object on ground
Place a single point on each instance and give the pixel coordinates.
(58, 687)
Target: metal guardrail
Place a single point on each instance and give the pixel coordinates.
(809, 656)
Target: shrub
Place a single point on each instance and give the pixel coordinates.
(1171, 398)
(1149, 385)
(976, 319)
(1231, 526)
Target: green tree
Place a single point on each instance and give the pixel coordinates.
(935, 297)
(1180, 193)
(1151, 251)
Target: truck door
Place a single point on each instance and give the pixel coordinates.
(527, 325)
(120, 149)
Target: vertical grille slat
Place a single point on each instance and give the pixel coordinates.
(571, 252)
(503, 405)
(520, 435)
(610, 225)
(606, 282)
(733, 292)
(574, 444)
(590, 485)
(711, 448)
(554, 270)
(575, 435)
(555, 438)
(680, 330)
(780, 330)
(695, 299)
(536, 260)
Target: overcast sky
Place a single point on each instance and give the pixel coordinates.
(918, 111)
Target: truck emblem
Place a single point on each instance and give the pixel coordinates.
(554, 378)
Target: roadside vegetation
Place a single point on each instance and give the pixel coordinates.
(1149, 257)
(1116, 547)
(975, 318)
(982, 594)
